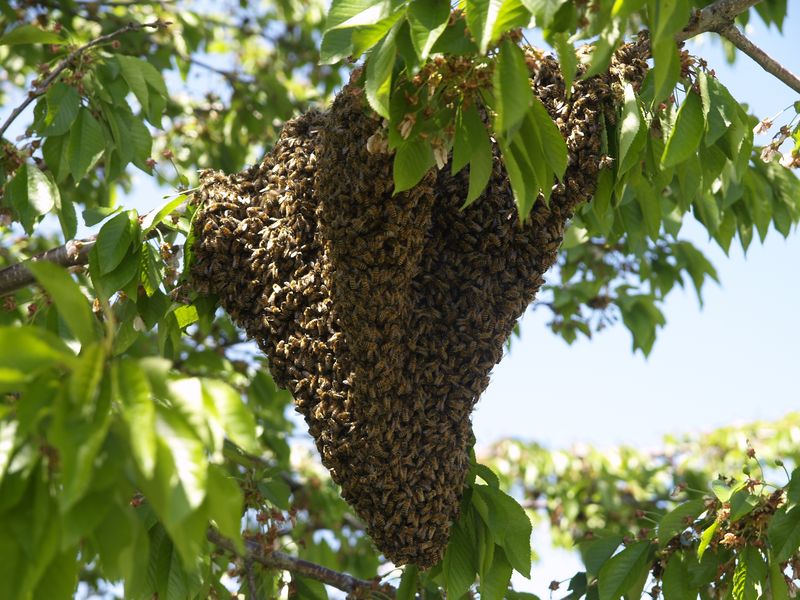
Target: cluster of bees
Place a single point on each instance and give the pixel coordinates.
(384, 314)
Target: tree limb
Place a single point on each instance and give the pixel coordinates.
(769, 64)
(68, 61)
(284, 562)
(72, 254)
(718, 17)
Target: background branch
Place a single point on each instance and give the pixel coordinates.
(72, 254)
(68, 61)
(285, 562)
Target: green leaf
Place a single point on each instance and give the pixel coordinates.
(60, 578)
(411, 161)
(27, 350)
(667, 68)
(749, 573)
(408, 583)
(629, 131)
(31, 193)
(595, 553)
(675, 580)
(428, 20)
(512, 91)
(793, 489)
(67, 218)
(138, 413)
(113, 241)
(152, 269)
(458, 565)
(237, 421)
(144, 79)
(554, 149)
(380, 64)
(724, 490)
(706, 537)
(678, 519)
(63, 103)
(354, 13)
(722, 112)
(567, 60)
(55, 153)
(336, 45)
(71, 303)
(510, 526)
(225, 504)
(86, 144)
(472, 145)
(686, 135)
(742, 503)
(495, 584)
(777, 582)
(30, 34)
(624, 570)
(784, 533)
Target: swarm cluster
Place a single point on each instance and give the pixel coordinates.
(384, 314)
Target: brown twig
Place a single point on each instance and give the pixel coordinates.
(769, 64)
(284, 562)
(72, 254)
(68, 61)
(718, 17)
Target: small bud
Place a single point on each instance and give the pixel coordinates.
(167, 154)
(763, 126)
(554, 585)
(116, 45)
(150, 162)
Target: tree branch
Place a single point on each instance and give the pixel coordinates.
(68, 61)
(719, 17)
(284, 562)
(72, 254)
(769, 64)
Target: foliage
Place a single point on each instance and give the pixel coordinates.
(133, 414)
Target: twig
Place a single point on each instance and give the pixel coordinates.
(719, 17)
(769, 64)
(118, 3)
(285, 562)
(69, 60)
(72, 254)
(713, 17)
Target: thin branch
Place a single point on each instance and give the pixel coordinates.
(69, 60)
(714, 17)
(769, 64)
(284, 562)
(719, 17)
(72, 254)
(118, 3)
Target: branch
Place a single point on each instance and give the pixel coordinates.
(284, 562)
(769, 64)
(72, 254)
(719, 17)
(69, 60)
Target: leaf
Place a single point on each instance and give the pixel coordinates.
(411, 161)
(472, 145)
(512, 91)
(428, 20)
(667, 68)
(458, 565)
(675, 580)
(30, 34)
(706, 537)
(784, 533)
(510, 526)
(31, 193)
(353, 13)
(749, 573)
(336, 45)
(723, 490)
(27, 350)
(675, 521)
(143, 78)
(55, 153)
(594, 553)
(86, 144)
(495, 584)
(67, 218)
(408, 583)
(236, 419)
(113, 241)
(685, 137)
(567, 60)
(742, 503)
(554, 149)
(138, 413)
(380, 64)
(777, 582)
(793, 489)
(629, 130)
(624, 570)
(70, 301)
(152, 269)
(63, 103)
(225, 502)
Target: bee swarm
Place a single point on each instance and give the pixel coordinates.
(384, 314)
